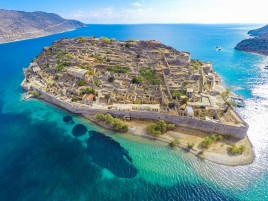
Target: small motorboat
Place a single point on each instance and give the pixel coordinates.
(218, 48)
(266, 67)
(239, 101)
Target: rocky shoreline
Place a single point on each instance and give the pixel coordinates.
(258, 44)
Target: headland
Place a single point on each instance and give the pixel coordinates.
(257, 44)
(20, 25)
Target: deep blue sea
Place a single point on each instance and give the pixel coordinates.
(41, 160)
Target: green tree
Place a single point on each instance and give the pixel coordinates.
(161, 126)
(207, 142)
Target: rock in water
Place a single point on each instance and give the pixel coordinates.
(109, 154)
(79, 130)
(67, 118)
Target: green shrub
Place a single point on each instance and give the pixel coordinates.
(196, 64)
(220, 137)
(151, 129)
(171, 126)
(159, 128)
(97, 83)
(150, 75)
(137, 80)
(100, 117)
(214, 137)
(105, 40)
(207, 142)
(174, 142)
(75, 99)
(89, 91)
(69, 56)
(80, 82)
(61, 65)
(185, 83)
(90, 72)
(116, 124)
(190, 145)
(235, 150)
(81, 39)
(177, 93)
(118, 69)
(35, 94)
(184, 101)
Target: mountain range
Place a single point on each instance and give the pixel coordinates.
(19, 25)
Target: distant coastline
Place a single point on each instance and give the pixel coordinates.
(40, 36)
(19, 25)
(258, 44)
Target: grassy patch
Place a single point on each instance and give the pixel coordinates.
(118, 69)
(150, 75)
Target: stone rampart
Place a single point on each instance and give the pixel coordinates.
(196, 124)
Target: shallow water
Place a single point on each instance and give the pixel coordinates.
(40, 159)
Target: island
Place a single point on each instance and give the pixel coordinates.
(258, 44)
(144, 88)
(20, 25)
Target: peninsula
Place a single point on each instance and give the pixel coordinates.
(145, 88)
(20, 25)
(258, 44)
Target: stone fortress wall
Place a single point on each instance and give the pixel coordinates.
(182, 121)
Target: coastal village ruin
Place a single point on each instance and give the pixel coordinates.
(133, 79)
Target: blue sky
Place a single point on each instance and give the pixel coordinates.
(149, 11)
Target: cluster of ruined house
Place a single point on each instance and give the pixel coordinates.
(90, 61)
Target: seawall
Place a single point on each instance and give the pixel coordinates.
(181, 121)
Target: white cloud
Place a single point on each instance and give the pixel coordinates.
(137, 4)
(213, 11)
(110, 15)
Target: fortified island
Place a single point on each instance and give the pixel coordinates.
(143, 82)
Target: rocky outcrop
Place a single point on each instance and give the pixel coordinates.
(19, 25)
(258, 44)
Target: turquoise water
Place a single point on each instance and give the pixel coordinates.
(40, 159)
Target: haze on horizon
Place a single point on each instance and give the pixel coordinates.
(149, 11)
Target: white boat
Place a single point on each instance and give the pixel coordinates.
(218, 48)
(266, 67)
(239, 101)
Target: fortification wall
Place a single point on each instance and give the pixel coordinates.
(196, 124)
